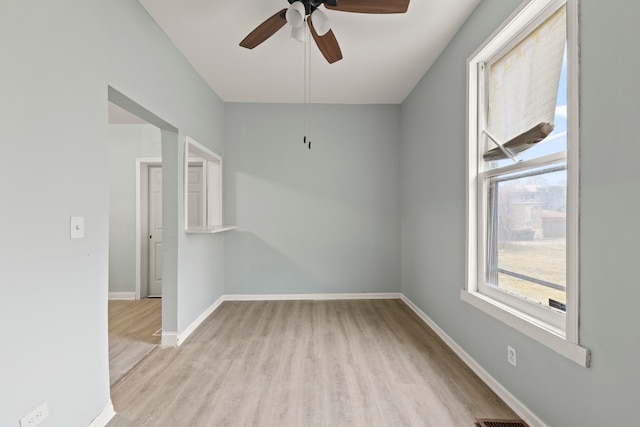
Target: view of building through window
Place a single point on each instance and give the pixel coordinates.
(530, 230)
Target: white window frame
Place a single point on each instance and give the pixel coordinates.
(557, 331)
(196, 153)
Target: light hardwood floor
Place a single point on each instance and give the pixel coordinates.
(132, 325)
(306, 363)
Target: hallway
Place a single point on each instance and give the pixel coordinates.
(134, 331)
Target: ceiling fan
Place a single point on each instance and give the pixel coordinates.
(307, 10)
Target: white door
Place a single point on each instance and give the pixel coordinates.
(155, 231)
(195, 197)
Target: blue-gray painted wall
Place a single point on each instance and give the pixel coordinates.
(559, 392)
(377, 205)
(319, 220)
(58, 60)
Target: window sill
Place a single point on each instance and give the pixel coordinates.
(543, 333)
(210, 229)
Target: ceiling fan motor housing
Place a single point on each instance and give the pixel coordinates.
(311, 5)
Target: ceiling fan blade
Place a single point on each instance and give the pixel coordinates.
(327, 44)
(265, 30)
(371, 6)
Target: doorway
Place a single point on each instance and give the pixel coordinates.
(149, 259)
(154, 285)
(135, 321)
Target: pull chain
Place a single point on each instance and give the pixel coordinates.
(307, 87)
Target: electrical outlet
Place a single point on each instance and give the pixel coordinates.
(511, 355)
(36, 416)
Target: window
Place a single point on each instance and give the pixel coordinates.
(523, 176)
(202, 189)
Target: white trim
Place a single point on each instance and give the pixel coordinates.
(518, 407)
(206, 155)
(211, 229)
(182, 337)
(567, 341)
(528, 11)
(573, 174)
(169, 339)
(113, 296)
(304, 297)
(103, 418)
(533, 328)
(525, 165)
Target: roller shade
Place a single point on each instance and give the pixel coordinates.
(523, 84)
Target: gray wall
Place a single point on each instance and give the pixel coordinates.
(60, 58)
(433, 222)
(323, 220)
(126, 144)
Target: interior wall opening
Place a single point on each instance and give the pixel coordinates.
(137, 303)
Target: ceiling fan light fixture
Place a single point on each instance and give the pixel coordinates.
(299, 33)
(295, 14)
(320, 22)
(300, 12)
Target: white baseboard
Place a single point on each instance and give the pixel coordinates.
(103, 418)
(192, 327)
(122, 295)
(518, 407)
(169, 339)
(304, 297)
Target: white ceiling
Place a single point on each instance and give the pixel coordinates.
(384, 56)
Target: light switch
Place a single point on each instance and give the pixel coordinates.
(77, 227)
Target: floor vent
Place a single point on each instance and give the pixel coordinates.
(483, 422)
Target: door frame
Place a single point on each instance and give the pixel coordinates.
(142, 223)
